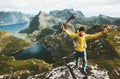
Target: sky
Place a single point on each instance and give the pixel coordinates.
(87, 7)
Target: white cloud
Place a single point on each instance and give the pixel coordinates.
(88, 7)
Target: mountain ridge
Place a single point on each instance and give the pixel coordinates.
(103, 51)
(9, 18)
(54, 19)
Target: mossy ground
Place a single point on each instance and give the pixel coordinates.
(107, 56)
(10, 45)
(7, 64)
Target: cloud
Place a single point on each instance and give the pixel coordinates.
(88, 7)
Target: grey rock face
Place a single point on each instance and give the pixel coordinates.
(63, 72)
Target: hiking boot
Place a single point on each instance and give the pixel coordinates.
(86, 77)
(85, 73)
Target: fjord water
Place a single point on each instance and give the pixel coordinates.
(15, 28)
(35, 51)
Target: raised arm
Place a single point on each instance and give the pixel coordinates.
(92, 36)
(71, 34)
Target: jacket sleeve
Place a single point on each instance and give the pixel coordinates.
(92, 36)
(71, 34)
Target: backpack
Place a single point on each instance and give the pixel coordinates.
(74, 41)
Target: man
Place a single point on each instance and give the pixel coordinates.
(81, 43)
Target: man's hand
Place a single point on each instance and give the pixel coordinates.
(63, 27)
(104, 30)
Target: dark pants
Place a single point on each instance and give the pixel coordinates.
(83, 56)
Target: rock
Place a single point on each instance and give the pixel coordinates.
(63, 72)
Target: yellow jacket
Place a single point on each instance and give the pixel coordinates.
(81, 41)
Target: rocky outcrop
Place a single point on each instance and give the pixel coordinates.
(93, 72)
(63, 72)
(66, 13)
(101, 19)
(9, 18)
(53, 20)
(39, 22)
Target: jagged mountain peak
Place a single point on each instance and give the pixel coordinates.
(42, 13)
(104, 16)
(66, 13)
(55, 18)
(65, 10)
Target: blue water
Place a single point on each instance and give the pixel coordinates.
(15, 28)
(35, 51)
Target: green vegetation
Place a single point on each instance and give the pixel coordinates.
(10, 45)
(114, 42)
(25, 67)
(59, 46)
(100, 51)
(37, 66)
(44, 33)
(103, 52)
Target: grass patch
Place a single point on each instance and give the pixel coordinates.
(35, 66)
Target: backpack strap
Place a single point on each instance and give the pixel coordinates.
(84, 37)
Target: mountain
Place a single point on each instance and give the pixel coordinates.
(101, 19)
(9, 18)
(54, 18)
(39, 22)
(103, 51)
(22, 69)
(66, 13)
(51, 22)
(11, 45)
(10, 68)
